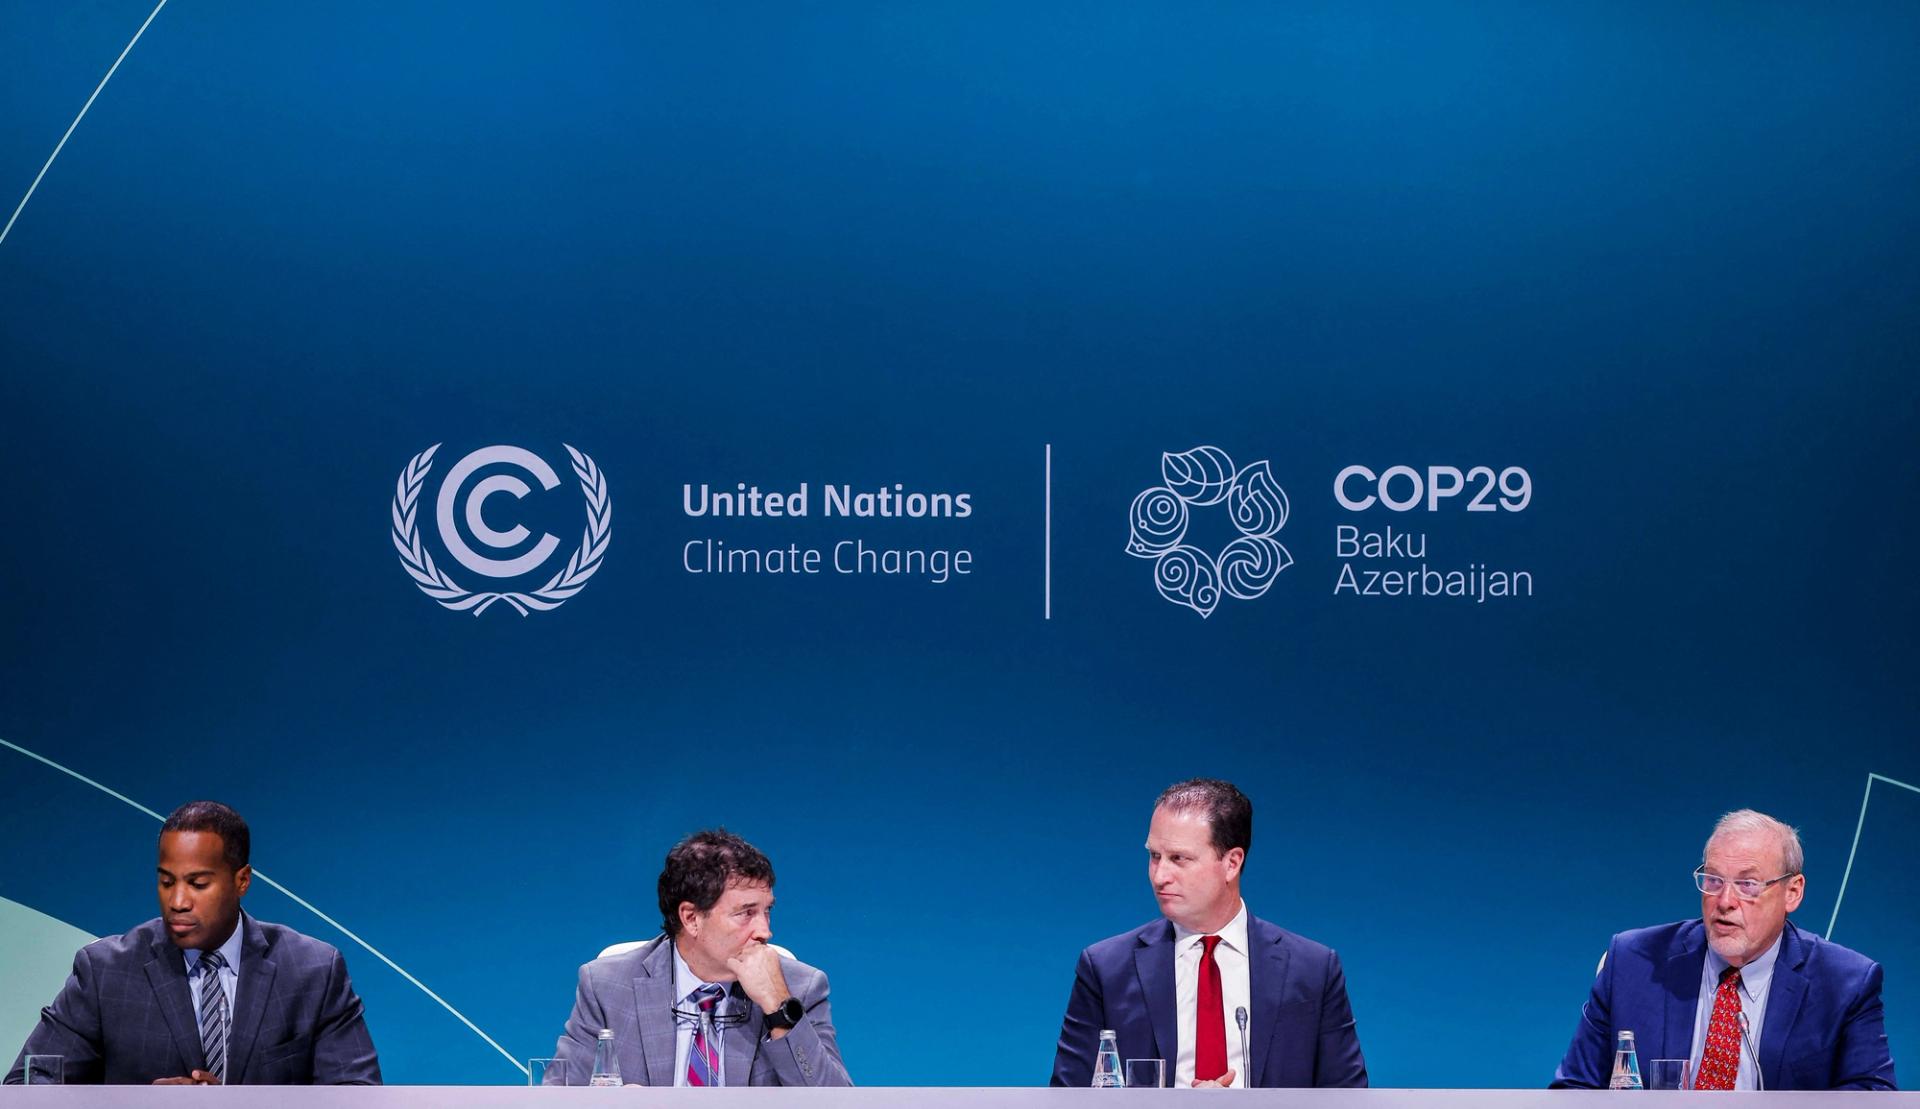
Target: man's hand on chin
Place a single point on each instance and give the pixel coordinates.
(757, 967)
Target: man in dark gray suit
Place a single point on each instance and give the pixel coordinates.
(205, 994)
(708, 1002)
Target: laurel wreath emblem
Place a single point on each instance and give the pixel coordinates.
(434, 582)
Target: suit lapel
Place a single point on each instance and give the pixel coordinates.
(1153, 961)
(1784, 996)
(1680, 980)
(653, 1014)
(167, 973)
(250, 1000)
(1266, 982)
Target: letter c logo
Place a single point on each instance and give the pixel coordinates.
(476, 500)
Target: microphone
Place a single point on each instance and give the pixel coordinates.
(1746, 1041)
(1246, 1073)
(707, 1030)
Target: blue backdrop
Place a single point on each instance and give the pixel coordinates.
(1661, 259)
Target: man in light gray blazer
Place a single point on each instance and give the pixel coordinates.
(206, 995)
(709, 1002)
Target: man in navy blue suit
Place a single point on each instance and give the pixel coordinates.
(1175, 989)
(205, 994)
(1753, 1001)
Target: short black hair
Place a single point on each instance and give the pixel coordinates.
(211, 816)
(1229, 814)
(701, 867)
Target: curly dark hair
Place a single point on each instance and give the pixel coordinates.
(1229, 814)
(211, 816)
(701, 867)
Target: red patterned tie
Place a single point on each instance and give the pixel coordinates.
(1720, 1062)
(1210, 1019)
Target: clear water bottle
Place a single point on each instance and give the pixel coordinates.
(1106, 1064)
(1626, 1064)
(606, 1065)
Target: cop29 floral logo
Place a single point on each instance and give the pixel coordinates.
(1204, 478)
(462, 500)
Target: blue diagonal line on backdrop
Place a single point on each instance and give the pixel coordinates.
(294, 897)
(1857, 829)
(61, 145)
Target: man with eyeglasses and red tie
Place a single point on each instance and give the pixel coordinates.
(1223, 997)
(1754, 1002)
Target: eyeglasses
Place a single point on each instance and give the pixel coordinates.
(1746, 889)
(728, 1017)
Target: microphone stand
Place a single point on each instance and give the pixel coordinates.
(708, 1032)
(1246, 1071)
(1746, 1041)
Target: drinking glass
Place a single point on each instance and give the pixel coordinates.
(1146, 1074)
(1670, 1074)
(546, 1072)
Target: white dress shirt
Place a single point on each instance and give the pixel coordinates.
(1235, 992)
(1756, 981)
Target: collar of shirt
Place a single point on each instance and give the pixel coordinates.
(1233, 936)
(685, 981)
(1755, 977)
(230, 950)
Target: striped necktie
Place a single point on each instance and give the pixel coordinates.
(213, 1014)
(703, 1058)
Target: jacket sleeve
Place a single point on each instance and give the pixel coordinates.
(69, 1027)
(1588, 1062)
(1080, 1028)
(573, 1054)
(1339, 1062)
(1862, 1060)
(343, 1053)
(809, 1054)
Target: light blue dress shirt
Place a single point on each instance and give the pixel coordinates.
(1756, 979)
(685, 981)
(228, 975)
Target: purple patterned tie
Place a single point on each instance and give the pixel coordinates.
(703, 1060)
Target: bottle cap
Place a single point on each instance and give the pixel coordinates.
(1106, 1032)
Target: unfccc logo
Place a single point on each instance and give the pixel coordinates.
(458, 500)
(1246, 566)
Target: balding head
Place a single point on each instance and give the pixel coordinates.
(1747, 822)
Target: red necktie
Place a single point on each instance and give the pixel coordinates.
(1210, 1019)
(1720, 1062)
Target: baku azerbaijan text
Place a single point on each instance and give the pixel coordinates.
(1476, 581)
